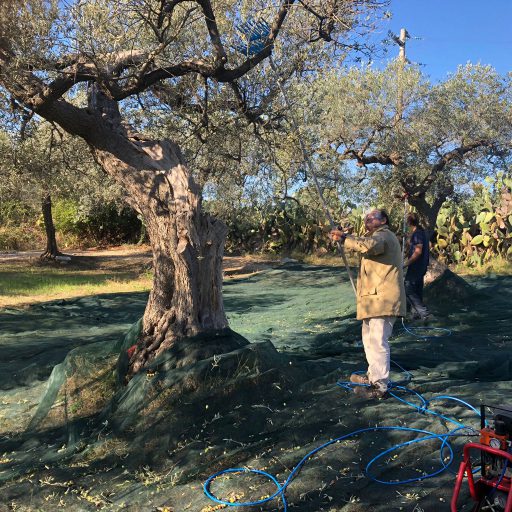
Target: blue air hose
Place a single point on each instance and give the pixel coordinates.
(416, 331)
(423, 408)
(281, 488)
(497, 484)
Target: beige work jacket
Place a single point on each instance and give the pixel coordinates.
(380, 283)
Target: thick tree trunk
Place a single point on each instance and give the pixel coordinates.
(187, 244)
(428, 212)
(51, 242)
(186, 297)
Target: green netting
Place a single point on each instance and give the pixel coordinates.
(35, 342)
(170, 429)
(35, 339)
(299, 308)
(82, 364)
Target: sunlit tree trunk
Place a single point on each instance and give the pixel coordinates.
(187, 246)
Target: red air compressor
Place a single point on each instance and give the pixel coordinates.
(492, 491)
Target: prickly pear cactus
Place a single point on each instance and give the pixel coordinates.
(476, 240)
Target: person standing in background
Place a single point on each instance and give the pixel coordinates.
(416, 265)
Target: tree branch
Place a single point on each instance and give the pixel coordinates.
(75, 70)
(446, 159)
(252, 115)
(379, 158)
(213, 30)
(216, 72)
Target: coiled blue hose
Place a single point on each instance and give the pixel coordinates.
(281, 488)
(428, 435)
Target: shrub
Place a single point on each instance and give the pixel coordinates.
(20, 238)
(110, 224)
(15, 213)
(65, 214)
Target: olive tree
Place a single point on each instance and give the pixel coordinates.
(47, 164)
(172, 52)
(411, 137)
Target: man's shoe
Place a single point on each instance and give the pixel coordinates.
(359, 378)
(370, 392)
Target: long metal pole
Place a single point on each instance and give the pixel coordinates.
(311, 170)
(404, 230)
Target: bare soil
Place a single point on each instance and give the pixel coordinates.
(132, 259)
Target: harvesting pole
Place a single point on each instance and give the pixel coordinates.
(254, 38)
(307, 160)
(402, 61)
(404, 228)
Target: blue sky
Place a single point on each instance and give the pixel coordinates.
(452, 32)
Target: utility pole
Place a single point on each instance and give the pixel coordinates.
(401, 43)
(402, 61)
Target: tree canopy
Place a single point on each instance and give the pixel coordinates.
(196, 59)
(410, 136)
(48, 47)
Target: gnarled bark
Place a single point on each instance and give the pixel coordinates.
(187, 245)
(428, 212)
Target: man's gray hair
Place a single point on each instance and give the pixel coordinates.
(381, 215)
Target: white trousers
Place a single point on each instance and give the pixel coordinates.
(376, 332)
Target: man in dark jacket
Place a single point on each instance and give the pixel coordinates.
(416, 264)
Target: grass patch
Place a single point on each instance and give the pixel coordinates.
(497, 265)
(28, 283)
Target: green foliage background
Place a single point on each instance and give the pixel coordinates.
(474, 231)
(22, 228)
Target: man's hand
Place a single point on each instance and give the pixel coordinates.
(336, 235)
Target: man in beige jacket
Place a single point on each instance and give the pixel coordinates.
(380, 297)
